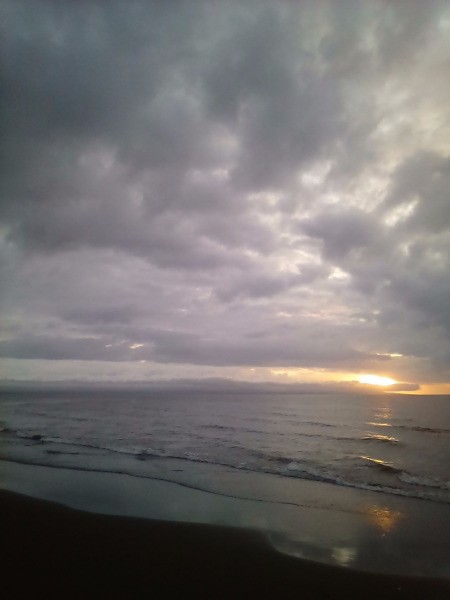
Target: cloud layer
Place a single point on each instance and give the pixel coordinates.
(211, 188)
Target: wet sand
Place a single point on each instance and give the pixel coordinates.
(54, 551)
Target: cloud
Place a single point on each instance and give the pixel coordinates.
(180, 347)
(422, 183)
(210, 385)
(230, 184)
(344, 232)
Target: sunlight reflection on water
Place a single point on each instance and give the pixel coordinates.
(384, 519)
(344, 556)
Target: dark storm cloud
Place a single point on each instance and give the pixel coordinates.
(226, 183)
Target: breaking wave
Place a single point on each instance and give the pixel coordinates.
(380, 464)
(392, 479)
(373, 437)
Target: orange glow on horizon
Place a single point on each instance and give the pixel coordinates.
(430, 389)
(376, 380)
(330, 377)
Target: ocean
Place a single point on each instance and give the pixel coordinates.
(397, 445)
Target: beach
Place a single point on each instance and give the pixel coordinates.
(55, 551)
(75, 534)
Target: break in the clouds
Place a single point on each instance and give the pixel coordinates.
(256, 190)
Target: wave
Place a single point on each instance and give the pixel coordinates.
(215, 426)
(432, 482)
(221, 427)
(191, 485)
(368, 438)
(424, 429)
(317, 423)
(292, 469)
(241, 458)
(380, 464)
(405, 477)
(417, 428)
(374, 437)
(66, 452)
(42, 439)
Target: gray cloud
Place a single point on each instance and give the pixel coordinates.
(423, 181)
(176, 347)
(344, 232)
(249, 184)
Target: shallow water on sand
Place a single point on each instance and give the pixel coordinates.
(317, 521)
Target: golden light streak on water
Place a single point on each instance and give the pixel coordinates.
(384, 519)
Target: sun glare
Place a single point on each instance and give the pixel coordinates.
(376, 380)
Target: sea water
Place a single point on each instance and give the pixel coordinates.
(397, 445)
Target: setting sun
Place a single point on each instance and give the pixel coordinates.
(376, 380)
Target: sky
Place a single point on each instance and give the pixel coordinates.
(253, 190)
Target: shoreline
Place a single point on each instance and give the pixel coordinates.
(330, 525)
(71, 553)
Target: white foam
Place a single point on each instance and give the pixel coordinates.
(424, 481)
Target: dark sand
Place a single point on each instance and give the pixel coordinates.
(52, 551)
